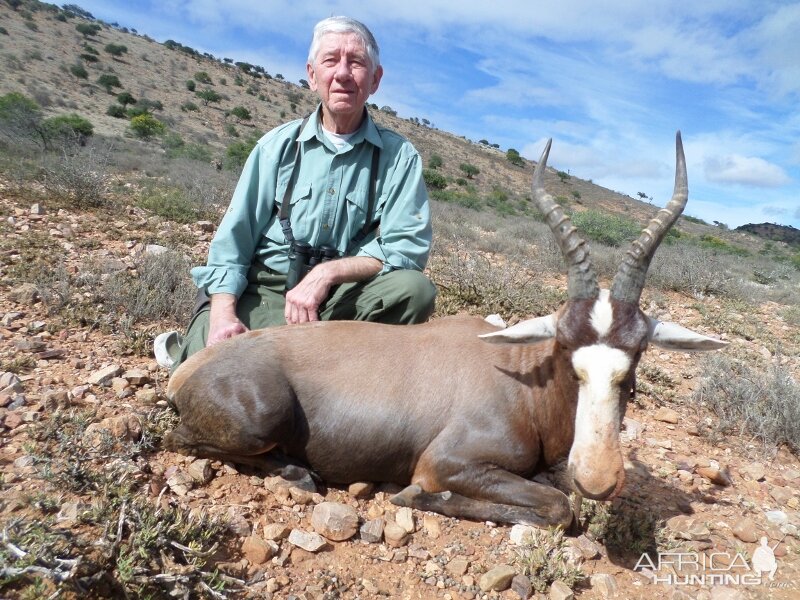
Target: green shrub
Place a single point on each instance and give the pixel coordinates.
(3, 31)
(208, 96)
(116, 111)
(68, 128)
(172, 204)
(89, 58)
(435, 161)
(189, 106)
(90, 49)
(469, 170)
(20, 117)
(231, 130)
(608, 229)
(203, 77)
(116, 50)
(126, 98)
(716, 244)
(241, 113)
(108, 82)
(79, 71)
(563, 176)
(146, 126)
(190, 85)
(434, 180)
(88, 29)
(514, 157)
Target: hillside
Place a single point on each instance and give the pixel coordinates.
(96, 241)
(774, 232)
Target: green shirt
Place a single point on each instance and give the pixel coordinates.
(329, 204)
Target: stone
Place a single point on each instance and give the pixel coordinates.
(753, 472)
(746, 530)
(337, 522)
(589, 549)
(521, 534)
(200, 471)
(36, 209)
(104, 376)
(118, 384)
(777, 517)
(137, 377)
(372, 531)
(633, 429)
(301, 496)
(521, 586)
(10, 382)
(605, 584)
(257, 551)
(405, 518)
(307, 540)
(146, 396)
(53, 399)
(360, 489)
(395, 535)
(431, 526)
(205, 226)
(666, 415)
(13, 420)
(721, 592)
(26, 294)
(715, 475)
(780, 494)
(560, 591)
(71, 511)
(497, 579)
(124, 428)
(276, 531)
(180, 483)
(457, 566)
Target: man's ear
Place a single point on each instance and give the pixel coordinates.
(376, 79)
(312, 78)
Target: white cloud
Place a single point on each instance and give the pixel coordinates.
(744, 170)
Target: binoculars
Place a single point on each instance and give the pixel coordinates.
(303, 257)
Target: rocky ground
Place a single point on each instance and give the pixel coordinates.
(88, 498)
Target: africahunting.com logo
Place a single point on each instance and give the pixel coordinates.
(715, 568)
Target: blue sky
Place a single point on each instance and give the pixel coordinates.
(610, 81)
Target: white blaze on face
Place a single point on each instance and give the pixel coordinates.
(595, 455)
(602, 314)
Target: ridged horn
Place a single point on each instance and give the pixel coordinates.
(629, 280)
(581, 278)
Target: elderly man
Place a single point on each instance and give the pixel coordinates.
(334, 201)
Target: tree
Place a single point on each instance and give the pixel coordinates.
(208, 96)
(304, 84)
(514, 158)
(146, 126)
(562, 176)
(88, 29)
(20, 117)
(203, 77)
(109, 81)
(469, 170)
(434, 179)
(67, 129)
(116, 50)
(435, 161)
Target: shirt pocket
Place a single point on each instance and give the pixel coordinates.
(357, 207)
(298, 215)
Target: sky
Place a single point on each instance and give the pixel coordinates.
(611, 81)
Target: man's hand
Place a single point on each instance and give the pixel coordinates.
(303, 301)
(223, 322)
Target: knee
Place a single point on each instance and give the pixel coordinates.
(418, 292)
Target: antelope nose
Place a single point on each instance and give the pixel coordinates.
(593, 492)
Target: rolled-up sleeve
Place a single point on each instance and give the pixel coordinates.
(404, 241)
(231, 252)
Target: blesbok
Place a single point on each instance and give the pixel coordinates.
(463, 412)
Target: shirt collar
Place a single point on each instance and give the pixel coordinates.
(368, 130)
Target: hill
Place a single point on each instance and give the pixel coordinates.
(774, 232)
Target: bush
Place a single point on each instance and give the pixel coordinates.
(3, 31)
(189, 106)
(109, 81)
(514, 157)
(116, 50)
(241, 113)
(435, 161)
(88, 29)
(208, 96)
(68, 129)
(126, 98)
(172, 204)
(608, 229)
(89, 58)
(203, 77)
(20, 117)
(146, 126)
(469, 170)
(116, 111)
(78, 179)
(79, 71)
(433, 179)
(190, 85)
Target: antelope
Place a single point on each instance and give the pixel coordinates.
(462, 413)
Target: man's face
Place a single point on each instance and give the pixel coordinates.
(343, 78)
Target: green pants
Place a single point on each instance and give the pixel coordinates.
(398, 297)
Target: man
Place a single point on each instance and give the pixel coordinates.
(351, 190)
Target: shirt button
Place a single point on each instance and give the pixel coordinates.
(331, 191)
(325, 226)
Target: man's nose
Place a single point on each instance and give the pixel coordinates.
(343, 69)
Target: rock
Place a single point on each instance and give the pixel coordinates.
(605, 584)
(137, 377)
(10, 317)
(276, 531)
(521, 586)
(405, 518)
(715, 475)
(431, 526)
(337, 522)
(71, 511)
(780, 494)
(753, 471)
(308, 541)
(521, 534)
(687, 528)
(26, 294)
(589, 550)
(301, 496)
(10, 382)
(146, 396)
(721, 592)
(180, 483)
(155, 249)
(633, 428)
(118, 384)
(205, 226)
(457, 566)
(560, 591)
(36, 209)
(13, 420)
(777, 517)
(746, 530)
(372, 531)
(666, 415)
(124, 428)
(360, 489)
(497, 579)
(104, 375)
(258, 551)
(200, 471)
(395, 535)
(53, 399)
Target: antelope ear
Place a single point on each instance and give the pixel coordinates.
(672, 336)
(525, 332)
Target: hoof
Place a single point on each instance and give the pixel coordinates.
(407, 496)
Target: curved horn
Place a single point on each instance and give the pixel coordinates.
(629, 280)
(581, 278)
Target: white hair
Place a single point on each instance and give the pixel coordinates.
(345, 25)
